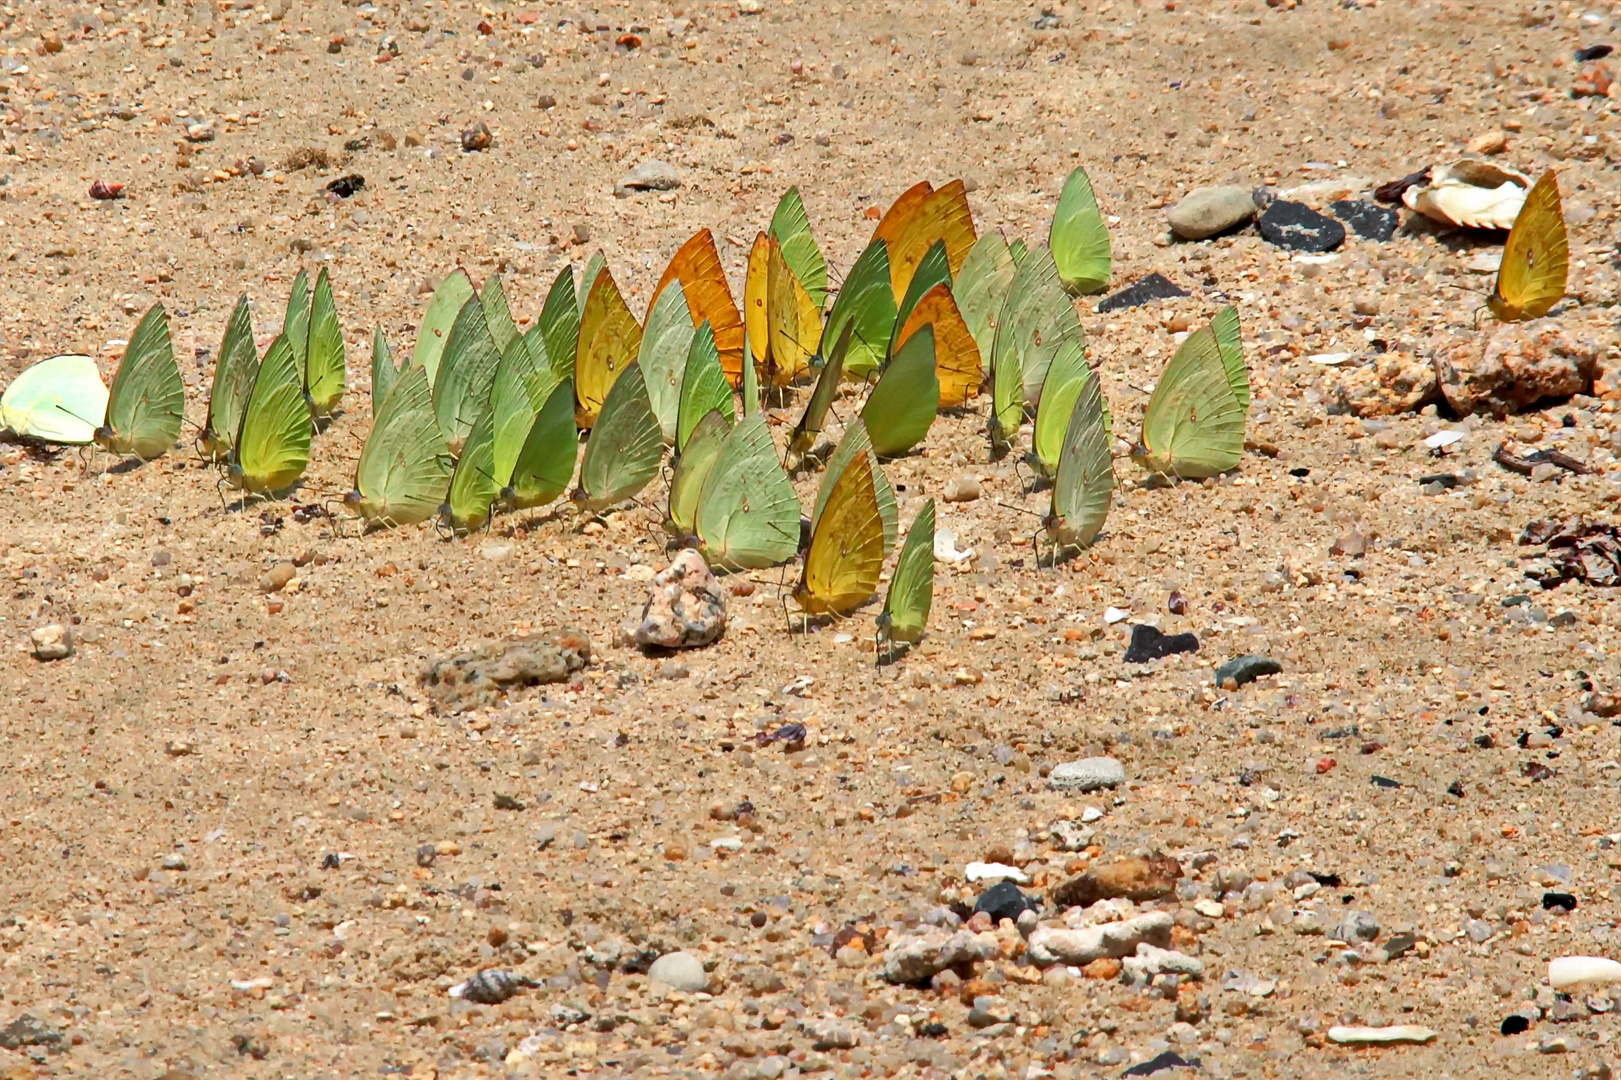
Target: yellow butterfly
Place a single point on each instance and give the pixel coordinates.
(610, 339)
(846, 552)
(1536, 258)
(956, 356)
(784, 323)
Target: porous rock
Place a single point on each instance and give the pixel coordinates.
(1087, 774)
(919, 957)
(1396, 382)
(1135, 877)
(1056, 945)
(481, 676)
(1521, 364)
(679, 971)
(1151, 960)
(652, 174)
(687, 607)
(53, 642)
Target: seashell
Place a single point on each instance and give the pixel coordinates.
(1332, 359)
(991, 871)
(945, 547)
(1443, 439)
(1471, 193)
(490, 986)
(1400, 1033)
(1568, 971)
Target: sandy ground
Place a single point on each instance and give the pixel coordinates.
(245, 738)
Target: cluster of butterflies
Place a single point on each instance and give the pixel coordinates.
(484, 417)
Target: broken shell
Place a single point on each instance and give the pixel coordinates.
(1443, 439)
(490, 987)
(1400, 1033)
(1471, 193)
(1568, 971)
(990, 871)
(945, 547)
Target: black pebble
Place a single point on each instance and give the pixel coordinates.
(1302, 471)
(1445, 479)
(933, 1031)
(1455, 789)
(1593, 52)
(1385, 782)
(1153, 287)
(1327, 881)
(1147, 643)
(1168, 1060)
(1297, 227)
(330, 861)
(1514, 1024)
(1368, 220)
(1004, 901)
(345, 186)
(1562, 900)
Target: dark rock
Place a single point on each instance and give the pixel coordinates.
(1393, 191)
(28, 1031)
(1245, 669)
(1514, 1024)
(345, 186)
(1561, 901)
(1400, 945)
(1385, 782)
(1170, 1059)
(1593, 52)
(1153, 287)
(1297, 227)
(1004, 901)
(1368, 220)
(1148, 643)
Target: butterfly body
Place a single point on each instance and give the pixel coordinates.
(1536, 257)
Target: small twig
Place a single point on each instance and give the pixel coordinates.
(1510, 462)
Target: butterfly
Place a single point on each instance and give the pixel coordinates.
(902, 407)
(697, 268)
(1083, 483)
(704, 388)
(273, 442)
(461, 392)
(956, 354)
(666, 341)
(384, 372)
(444, 306)
(981, 287)
(692, 468)
(854, 441)
(404, 465)
(810, 422)
(325, 360)
(545, 462)
(784, 320)
(1036, 323)
(865, 306)
(625, 447)
(497, 313)
(846, 553)
(915, 222)
(1063, 386)
(747, 513)
(1079, 237)
(145, 406)
(1536, 258)
(234, 372)
(911, 589)
(473, 485)
(558, 327)
(1194, 424)
(610, 339)
(59, 400)
(522, 384)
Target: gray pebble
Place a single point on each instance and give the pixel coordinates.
(1087, 774)
(1204, 212)
(679, 971)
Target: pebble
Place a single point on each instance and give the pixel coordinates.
(917, 958)
(1242, 670)
(490, 987)
(1142, 966)
(990, 871)
(174, 861)
(1168, 1059)
(28, 1030)
(276, 578)
(1004, 901)
(1149, 643)
(1210, 909)
(1297, 227)
(1070, 835)
(476, 138)
(750, 7)
(1135, 877)
(1368, 220)
(1055, 945)
(686, 608)
(1401, 1033)
(1521, 364)
(1087, 774)
(1155, 286)
(1206, 211)
(651, 174)
(53, 642)
(679, 971)
(961, 488)
(1488, 142)
(1565, 972)
(1356, 927)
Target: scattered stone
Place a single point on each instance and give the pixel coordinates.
(1155, 286)
(1593, 80)
(1051, 945)
(276, 578)
(1565, 972)
(687, 607)
(1368, 220)
(1352, 544)
(1488, 142)
(1070, 835)
(961, 488)
(27, 1030)
(1401, 1033)
(1004, 901)
(1297, 227)
(679, 971)
(1210, 909)
(174, 861)
(1207, 211)
(476, 138)
(990, 871)
(1087, 774)
(1148, 961)
(1245, 669)
(53, 642)
(1149, 643)
(830, 1035)
(1515, 1024)
(483, 675)
(1168, 1059)
(1355, 928)
(919, 957)
(491, 987)
(1521, 364)
(1559, 901)
(651, 174)
(1396, 382)
(1134, 877)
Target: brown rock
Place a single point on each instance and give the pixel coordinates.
(1104, 968)
(1594, 80)
(1135, 878)
(482, 676)
(1489, 142)
(686, 609)
(276, 578)
(1602, 704)
(1397, 382)
(1521, 364)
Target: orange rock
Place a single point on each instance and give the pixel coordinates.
(1135, 878)
(1105, 968)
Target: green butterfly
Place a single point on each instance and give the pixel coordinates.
(691, 470)
(273, 443)
(443, 307)
(234, 374)
(1194, 424)
(461, 391)
(704, 388)
(748, 513)
(473, 485)
(827, 384)
(59, 400)
(1017, 248)
(625, 447)
(1084, 481)
(901, 408)
(865, 305)
(1038, 320)
(520, 387)
(147, 401)
(545, 463)
(854, 441)
(911, 590)
(982, 285)
(791, 226)
(751, 381)
(497, 313)
(383, 372)
(404, 467)
(1063, 388)
(295, 321)
(1079, 237)
(666, 343)
(933, 269)
(559, 325)
(326, 362)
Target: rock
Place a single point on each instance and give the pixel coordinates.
(1402, 1033)
(1355, 928)
(1368, 220)
(476, 138)
(1155, 286)
(1087, 774)
(1055, 945)
(1103, 969)
(679, 971)
(1488, 142)
(26, 1030)
(961, 488)
(1169, 1059)
(989, 1010)
(651, 174)
(830, 1035)
(1070, 835)
(1603, 704)
(1135, 878)
(1297, 227)
(276, 578)
(1004, 901)
(687, 607)
(174, 861)
(917, 958)
(53, 642)
(1210, 909)
(1521, 364)
(481, 676)
(1149, 643)
(1206, 211)
(1148, 961)
(1351, 544)
(750, 7)
(990, 871)
(490, 987)
(1245, 669)
(1593, 80)
(1365, 305)
(1396, 382)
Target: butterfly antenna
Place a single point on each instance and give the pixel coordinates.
(1020, 509)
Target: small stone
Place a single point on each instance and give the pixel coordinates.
(1103, 968)
(482, 676)
(53, 642)
(1149, 643)
(1477, 930)
(651, 174)
(491, 986)
(200, 133)
(750, 7)
(1593, 80)
(1155, 286)
(961, 488)
(1206, 211)
(1352, 544)
(686, 608)
(476, 138)
(26, 1030)
(1070, 835)
(1396, 382)
(1004, 901)
(1245, 669)
(1054, 945)
(1167, 1060)
(1368, 220)
(1365, 305)
(1087, 774)
(1488, 142)
(1135, 878)
(1404, 1033)
(1297, 227)
(679, 971)
(276, 578)
(1142, 966)
(174, 861)
(830, 1035)
(1356, 927)
(1210, 909)
(918, 958)
(1520, 364)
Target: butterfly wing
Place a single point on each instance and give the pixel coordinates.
(791, 226)
(748, 513)
(404, 466)
(559, 324)
(865, 305)
(145, 406)
(1230, 342)
(692, 469)
(610, 338)
(698, 268)
(461, 392)
(497, 313)
(901, 408)
(1079, 237)
(921, 217)
(545, 465)
(234, 374)
(821, 398)
(1194, 424)
(911, 589)
(1038, 320)
(384, 374)
(846, 554)
(326, 362)
(1536, 258)
(295, 321)
(521, 386)
(933, 270)
(473, 486)
(1083, 485)
(704, 387)
(979, 290)
(443, 308)
(59, 401)
(756, 298)
(666, 340)
(854, 441)
(273, 442)
(956, 355)
(793, 320)
(625, 447)
(593, 266)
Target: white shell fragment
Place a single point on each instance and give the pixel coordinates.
(1112, 615)
(1332, 359)
(994, 871)
(1399, 1033)
(945, 547)
(1568, 971)
(490, 987)
(1443, 439)
(1471, 193)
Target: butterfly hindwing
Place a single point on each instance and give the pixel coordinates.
(1536, 257)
